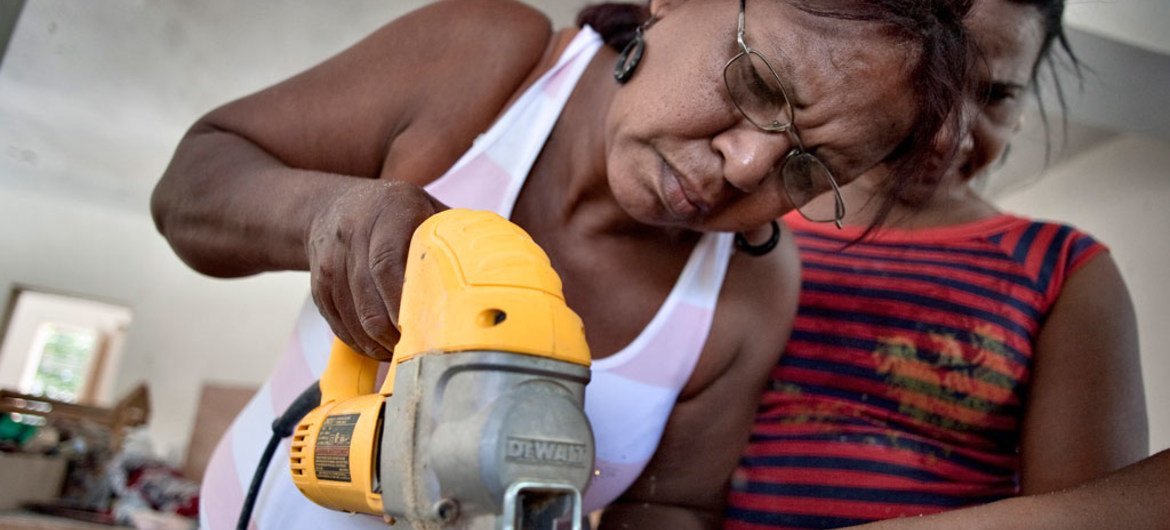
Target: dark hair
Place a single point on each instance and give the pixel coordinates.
(1051, 19)
(614, 22)
(939, 79)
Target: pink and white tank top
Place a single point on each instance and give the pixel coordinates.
(631, 393)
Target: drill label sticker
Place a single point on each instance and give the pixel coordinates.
(332, 461)
(545, 452)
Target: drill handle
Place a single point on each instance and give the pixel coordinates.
(348, 374)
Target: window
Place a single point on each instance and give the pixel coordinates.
(62, 347)
(60, 362)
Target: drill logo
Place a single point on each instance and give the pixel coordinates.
(545, 452)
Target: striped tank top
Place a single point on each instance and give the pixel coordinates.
(901, 391)
(631, 393)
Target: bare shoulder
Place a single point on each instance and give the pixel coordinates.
(452, 46)
(454, 62)
(1093, 304)
(757, 306)
(709, 426)
(471, 36)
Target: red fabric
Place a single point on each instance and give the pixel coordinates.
(902, 389)
(163, 489)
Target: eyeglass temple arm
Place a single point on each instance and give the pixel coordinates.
(739, 32)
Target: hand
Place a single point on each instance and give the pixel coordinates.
(357, 250)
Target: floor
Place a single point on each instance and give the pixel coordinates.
(19, 520)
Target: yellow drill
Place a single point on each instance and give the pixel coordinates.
(480, 420)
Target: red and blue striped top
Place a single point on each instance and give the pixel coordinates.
(902, 389)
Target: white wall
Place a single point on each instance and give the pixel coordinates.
(1120, 193)
(187, 328)
(1138, 22)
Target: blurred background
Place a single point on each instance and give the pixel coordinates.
(94, 97)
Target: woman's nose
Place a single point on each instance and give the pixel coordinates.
(751, 156)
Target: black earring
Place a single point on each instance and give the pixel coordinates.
(631, 55)
(742, 244)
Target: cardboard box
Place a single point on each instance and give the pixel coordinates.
(29, 478)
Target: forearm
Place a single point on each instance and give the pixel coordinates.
(230, 209)
(625, 515)
(1135, 497)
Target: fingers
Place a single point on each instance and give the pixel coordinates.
(357, 315)
(387, 260)
(388, 256)
(357, 255)
(368, 306)
(339, 289)
(323, 275)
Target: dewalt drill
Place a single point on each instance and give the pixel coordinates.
(480, 420)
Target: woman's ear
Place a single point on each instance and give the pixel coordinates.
(659, 8)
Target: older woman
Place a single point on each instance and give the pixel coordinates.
(719, 117)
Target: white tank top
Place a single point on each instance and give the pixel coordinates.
(631, 392)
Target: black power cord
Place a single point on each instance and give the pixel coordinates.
(282, 427)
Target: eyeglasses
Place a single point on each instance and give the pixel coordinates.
(757, 93)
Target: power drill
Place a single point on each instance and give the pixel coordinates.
(480, 421)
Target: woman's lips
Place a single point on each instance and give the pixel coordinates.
(682, 202)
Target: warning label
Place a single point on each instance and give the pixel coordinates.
(332, 460)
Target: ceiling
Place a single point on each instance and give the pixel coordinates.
(95, 95)
(1141, 23)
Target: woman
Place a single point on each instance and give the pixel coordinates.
(630, 178)
(959, 355)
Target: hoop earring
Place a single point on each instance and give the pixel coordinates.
(741, 242)
(631, 55)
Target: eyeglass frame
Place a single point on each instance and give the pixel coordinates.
(777, 127)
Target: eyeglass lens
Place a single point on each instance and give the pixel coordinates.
(805, 177)
(756, 91)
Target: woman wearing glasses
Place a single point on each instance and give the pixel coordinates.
(959, 355)
(718, 117)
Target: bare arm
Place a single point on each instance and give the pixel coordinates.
(1086, 411)
(685, 485)
(288, 178)
(1136, 497)
(250, 176)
